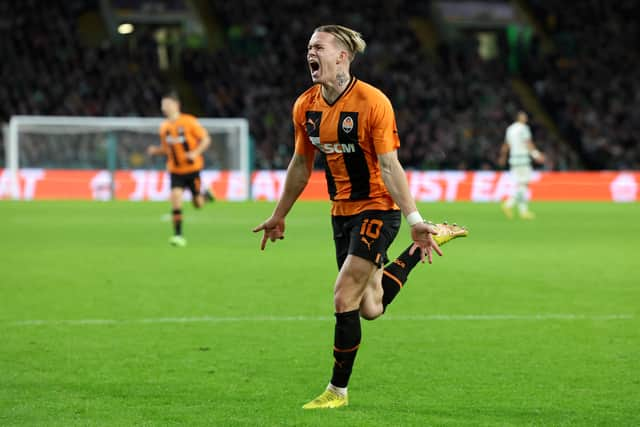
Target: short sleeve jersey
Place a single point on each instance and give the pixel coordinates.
(178, 137)
(517, 136)
(350, 133)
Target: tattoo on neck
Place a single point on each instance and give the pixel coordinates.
(342, 79)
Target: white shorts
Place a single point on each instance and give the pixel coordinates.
(521, 174)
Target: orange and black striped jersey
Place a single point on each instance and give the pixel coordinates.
(350, 133)
(178, 137)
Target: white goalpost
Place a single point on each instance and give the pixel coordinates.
(114, 143)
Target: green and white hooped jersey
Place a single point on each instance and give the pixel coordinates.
(517, 136)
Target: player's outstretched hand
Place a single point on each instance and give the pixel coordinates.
(422, 235)
(273, 230)
(154, 150)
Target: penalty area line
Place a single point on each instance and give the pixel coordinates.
(388, 318)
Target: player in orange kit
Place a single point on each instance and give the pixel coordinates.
(183, 140)
(352, 125)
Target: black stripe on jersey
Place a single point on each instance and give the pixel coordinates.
(353, 156)
(312, 125)
(185, 144)
(174, 156)
(331, 183)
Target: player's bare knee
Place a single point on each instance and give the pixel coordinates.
(350, 288)
(343, 302)
(346, 297)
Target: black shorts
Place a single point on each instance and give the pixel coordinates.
(187, 180)
(367, 235)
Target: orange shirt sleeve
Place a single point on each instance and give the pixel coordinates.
(304, 146)
(384, 129)
(196, 129)
(163, 136)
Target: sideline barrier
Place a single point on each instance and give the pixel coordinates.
(426, 186)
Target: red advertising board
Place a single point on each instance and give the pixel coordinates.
(426, 186)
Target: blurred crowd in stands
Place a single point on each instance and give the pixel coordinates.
(48, 70)
(452, 109)
(452, 106)
(590, 83)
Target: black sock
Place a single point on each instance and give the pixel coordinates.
(346, 342)
(208, 195)
(395, 274)
(177, 221)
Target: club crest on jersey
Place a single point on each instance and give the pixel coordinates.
(347, 124)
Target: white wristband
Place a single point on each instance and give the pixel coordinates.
(535, 154)
(414, 218)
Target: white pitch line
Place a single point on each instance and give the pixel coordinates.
(237, 319)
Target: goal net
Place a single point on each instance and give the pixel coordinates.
(114, 149)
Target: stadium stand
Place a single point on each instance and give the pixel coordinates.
(590, 83)
(451, 113)
(452, 107)
(50, 71)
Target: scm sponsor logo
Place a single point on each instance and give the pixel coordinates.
(175, 140)
(337, 148)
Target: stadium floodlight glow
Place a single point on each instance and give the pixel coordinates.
(125, 28)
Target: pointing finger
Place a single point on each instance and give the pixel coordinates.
(264, 242)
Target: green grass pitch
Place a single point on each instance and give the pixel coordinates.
(523, 323)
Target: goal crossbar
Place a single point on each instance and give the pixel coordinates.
(65, 125)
